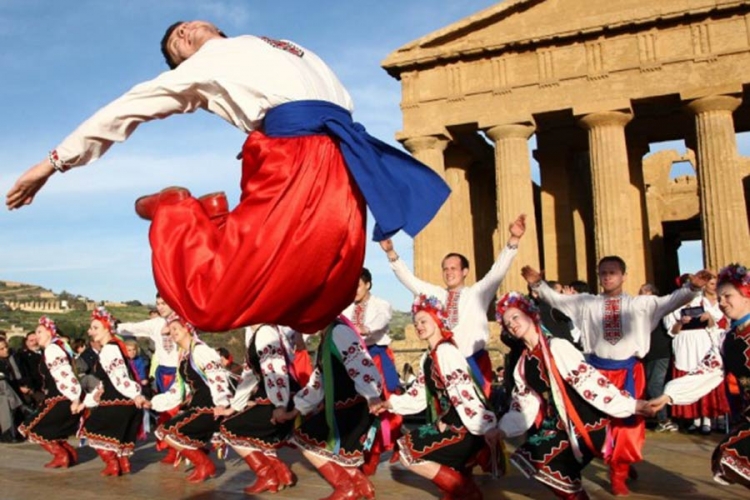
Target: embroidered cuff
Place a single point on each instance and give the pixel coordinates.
(512, 247)
(57, 164)
(394, 259)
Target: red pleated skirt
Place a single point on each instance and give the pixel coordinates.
(291, 252)
(712, 405)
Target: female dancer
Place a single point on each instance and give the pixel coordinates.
(456, 408)
(731, 458)
(112, 424)
(268, 382)
(202, 384)
(58, 417)
(690, 345)
(332, 435)
(561, 401)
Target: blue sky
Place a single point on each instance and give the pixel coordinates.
(63, 59)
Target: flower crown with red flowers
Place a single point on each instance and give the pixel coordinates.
(736, 275)
(48, 324)
(101, 314)
(430, 304)
(519, 301)
(176, 317)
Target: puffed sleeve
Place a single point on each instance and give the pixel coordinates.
(59, 366)
(587, 381)
(115, 366)
(170, 399)
(307, 399)
(359, 365)
(216, 376)
(462, 391)
(413, 400)
(273, 365)
(524, 406)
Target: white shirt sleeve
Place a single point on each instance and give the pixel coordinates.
(151, 328)
(359, 365)
(273, 365)
(116, 368)
(170, 399)
(587, 381)
(486, 288)
(217, 377)
(659, 307)
(462, 391)
(245, 389)
(700, 381)
(524, 407)
(59, 366)
(414, 284)
(414, 399)
(308, 399)
(569, 305)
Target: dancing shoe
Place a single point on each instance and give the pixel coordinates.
(618, 475)
(170, 458)
(112, 465)
(265, 476)
(72, 453)
(216, 207)
(60, 458)
(343, 486)
(372, 460)
(146, 206)
(204, 467)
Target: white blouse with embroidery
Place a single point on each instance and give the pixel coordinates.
(586, 380)
(271, 345)
(456, 377)
(359, 366)
(217, 380)
(62, 372)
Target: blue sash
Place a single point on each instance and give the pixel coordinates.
(401, 192)
(161, 371)
(389, 369)
(476, 370)
(612, 364)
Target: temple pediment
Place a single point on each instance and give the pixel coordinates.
(514, 24)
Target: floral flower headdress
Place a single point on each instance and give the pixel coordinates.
(188, 326)
(519, 301)
(101, 314)
(434, 308)
(48, 324)
(737, 276)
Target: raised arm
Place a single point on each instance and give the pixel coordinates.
(405, 276)
(487, 286)
(150, 328)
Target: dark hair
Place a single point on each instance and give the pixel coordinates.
(464, 260)
(552, 283)
(366, 276)
(580, 286)
(165, 40)
(29, 334)
(77, 344)
(224, 352)
(613, 258)
(165, 52)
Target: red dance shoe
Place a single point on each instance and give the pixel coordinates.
(72, 453)
(124, 465)
(60, 458)
(170, 458)
(204, 467)
(146, 206)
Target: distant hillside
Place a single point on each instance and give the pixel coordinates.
(12, 290)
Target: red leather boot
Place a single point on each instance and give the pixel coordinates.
(124, 464)
(170, 458)
(618, 475)
(60, 458)
(362, 483)
(204, 467)
(456, 485)
(112, 465)
(72, 453)
(146, 206)
(339, 479)
(283, 472)
(216, 206)
(265, 475)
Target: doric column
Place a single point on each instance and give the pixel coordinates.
(434, 241)
(639, 267)
(457, 165)
(557, 221)
(515, 195)
(610, 181)
(723, 209)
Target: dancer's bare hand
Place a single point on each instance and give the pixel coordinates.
(26, 187)
(699, 279)
(644, 408)
(223, 411)
(493, 437)
(280, 415)
(517, 228)
(141, 402)
(76, 407)
(387, 245)
(657, 404)
(531, 275)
